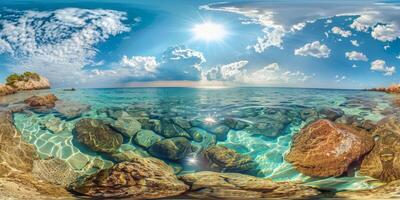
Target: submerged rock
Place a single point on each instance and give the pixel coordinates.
(146, 138)
(128, 126)
(183, 123)
(383, 162)
(71, 110)
(172, 148)
(47, 101)
(54, 125)
(325, 149)
(331, 113)
(141, 178)
(213, 185)
(55, 171)
(170, 130)
(97, 135)
(388, 191)
(221, 158)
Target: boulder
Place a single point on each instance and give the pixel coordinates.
(331, 113)
(220, 132)
(169, 129)
(141, 178)
(146, 138)
(128, 126)
(221, 158)
(173, 148)
(47, 101)
(387, 191)
(214, 185)
(325, 149)
(71, 110)
(97, 135)
(183, 123)
(383, 162)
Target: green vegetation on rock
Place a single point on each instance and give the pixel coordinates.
(26, 76)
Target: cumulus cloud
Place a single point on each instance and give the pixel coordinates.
(59, 42)
(176, 63)
(354, 55)
(230, 72)
(380, 66)
(364, 22)
(315, 49)
(386, 33)
(339, 31)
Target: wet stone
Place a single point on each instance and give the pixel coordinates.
(97, 135)
(71, 110)
(146, 138)
(169, 129)
(128, 126)
(331, 113)
(173, 148)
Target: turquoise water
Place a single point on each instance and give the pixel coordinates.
(280, 112)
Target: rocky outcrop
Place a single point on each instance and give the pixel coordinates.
(48, 101)
(6, 90)
(32, 84)
(15, 154)
(325, 149)
(172, 148)
(141, 178)
(383, 162)
(221, 158)
(17, 160)
(97, 135)
(214, 185)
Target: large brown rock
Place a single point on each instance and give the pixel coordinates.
(221, 158)
(214, 185)
(48, 101)
(141, 178)
(325, 149)
(97, 135)
(383, 162)
(15, 154)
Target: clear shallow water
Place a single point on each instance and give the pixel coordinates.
(285, 110)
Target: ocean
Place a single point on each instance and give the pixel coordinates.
(270, 118)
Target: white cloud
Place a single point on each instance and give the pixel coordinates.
(315, 49)
(273, 74)
(355, 43)
(339, 31)
(354, 55)
(380, 66)
(58, 42)
(230, 72)
(398, 57)
(354, 66)
(176, 63)
(386, 33)
(364, 22)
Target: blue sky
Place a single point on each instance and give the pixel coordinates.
(340, 44)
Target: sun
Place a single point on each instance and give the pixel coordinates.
(209, 31)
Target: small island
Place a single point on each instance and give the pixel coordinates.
(22, 82)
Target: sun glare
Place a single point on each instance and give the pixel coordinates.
(209, 31)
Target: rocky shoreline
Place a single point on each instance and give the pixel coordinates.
(331, 145)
